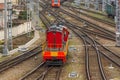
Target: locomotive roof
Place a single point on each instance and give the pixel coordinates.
(56, 28)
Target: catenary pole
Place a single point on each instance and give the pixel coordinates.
(5, 50)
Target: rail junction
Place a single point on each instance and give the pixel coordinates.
(70, 40)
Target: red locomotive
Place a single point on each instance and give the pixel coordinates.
(56, 45)
(55, 3)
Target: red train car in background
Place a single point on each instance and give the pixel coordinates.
(56, 48)
(55, 3)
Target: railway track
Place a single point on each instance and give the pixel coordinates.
(56, 15)
(99, 60)
(32, 75)
(51, 73)
(12, 62)
(87, 22)
(41, 72)
(113, 57)
(98, 33)
(103, 35)
(95, 12)
(93, 59)
(46, 22)
(107, 52)
(101, 49)
(86, 14)
(100, 68)
(93, 25)
(97, 46)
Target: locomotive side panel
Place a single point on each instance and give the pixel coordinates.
(50, 39)
(66, 33)
(58, 40)
(54, 39)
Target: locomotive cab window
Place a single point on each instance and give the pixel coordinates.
(55, 1)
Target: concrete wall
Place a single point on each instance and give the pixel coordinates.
(13, 1)
(1, 1)
(16, 30)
